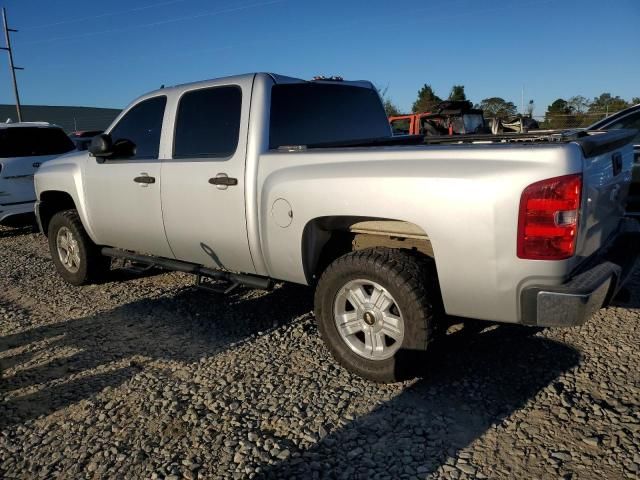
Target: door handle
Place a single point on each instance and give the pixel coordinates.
(145, 179)
(222, 181)
(227, 181)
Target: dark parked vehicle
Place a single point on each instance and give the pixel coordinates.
(82, 138)
(629, 119)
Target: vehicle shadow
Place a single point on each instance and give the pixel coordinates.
(63, 363)
(473, 383)
(8, 232)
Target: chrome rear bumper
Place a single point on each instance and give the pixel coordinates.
(589, 289)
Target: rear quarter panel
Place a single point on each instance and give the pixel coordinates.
(465, 198)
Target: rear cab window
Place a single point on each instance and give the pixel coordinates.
(316, 113)
(33, 142)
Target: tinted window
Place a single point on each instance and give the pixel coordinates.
(315, 113)
(631, 122)
(142, 125)
(208, 123)
(33, 141)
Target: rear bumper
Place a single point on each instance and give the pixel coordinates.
(589, 289)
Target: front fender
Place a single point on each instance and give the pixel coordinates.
(64, 174)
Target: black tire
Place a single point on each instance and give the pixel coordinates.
(411, 281)
(92, 264)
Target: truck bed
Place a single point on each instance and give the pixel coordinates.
(592, 142)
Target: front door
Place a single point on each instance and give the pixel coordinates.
(203, 201)
(123, 191)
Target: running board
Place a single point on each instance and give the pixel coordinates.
(236, 279)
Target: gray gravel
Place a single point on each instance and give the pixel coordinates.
(145, 377)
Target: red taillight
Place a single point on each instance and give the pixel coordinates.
(548, 220)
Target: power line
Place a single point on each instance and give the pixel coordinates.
(162, 22)
(12, 67)
(106, 14)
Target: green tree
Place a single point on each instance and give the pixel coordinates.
(579, 104)
(457, 93)
(427, 99)
(635, 100)
(497, 107)
(390, 108)
(560, 107)
(560, 114)
(607, 104)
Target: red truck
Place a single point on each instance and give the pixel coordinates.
(448, 118)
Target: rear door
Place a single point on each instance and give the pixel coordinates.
(203, 202)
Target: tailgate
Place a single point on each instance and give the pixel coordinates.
(608, 159)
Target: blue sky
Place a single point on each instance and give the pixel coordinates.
(98, 53)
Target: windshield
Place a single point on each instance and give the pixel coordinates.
(33, 142)
(316, 113)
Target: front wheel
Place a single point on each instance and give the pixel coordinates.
(76, 258)
(376, 312)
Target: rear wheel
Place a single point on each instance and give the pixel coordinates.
(76, 258)
(376, 312)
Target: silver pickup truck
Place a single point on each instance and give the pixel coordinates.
(262, 177)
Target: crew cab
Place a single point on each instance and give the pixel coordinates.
(261, 177)
(24, 146)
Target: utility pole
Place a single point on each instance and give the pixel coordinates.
(11, 66)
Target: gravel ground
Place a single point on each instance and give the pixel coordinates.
(145, 377)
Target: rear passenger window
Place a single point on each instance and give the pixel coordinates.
(208, 123)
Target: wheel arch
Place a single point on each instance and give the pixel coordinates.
(324, 239)
(50, 203)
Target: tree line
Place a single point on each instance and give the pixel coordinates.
(577, 111)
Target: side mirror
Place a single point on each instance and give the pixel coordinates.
(101, 146)
(124, 148)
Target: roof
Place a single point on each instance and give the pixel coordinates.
(26, 124)
(249, 76)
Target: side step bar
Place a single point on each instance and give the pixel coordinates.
(252, 281)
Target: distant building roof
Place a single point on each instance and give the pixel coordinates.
(69, 118)
(12, 124)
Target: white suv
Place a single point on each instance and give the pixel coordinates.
(24, 147)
